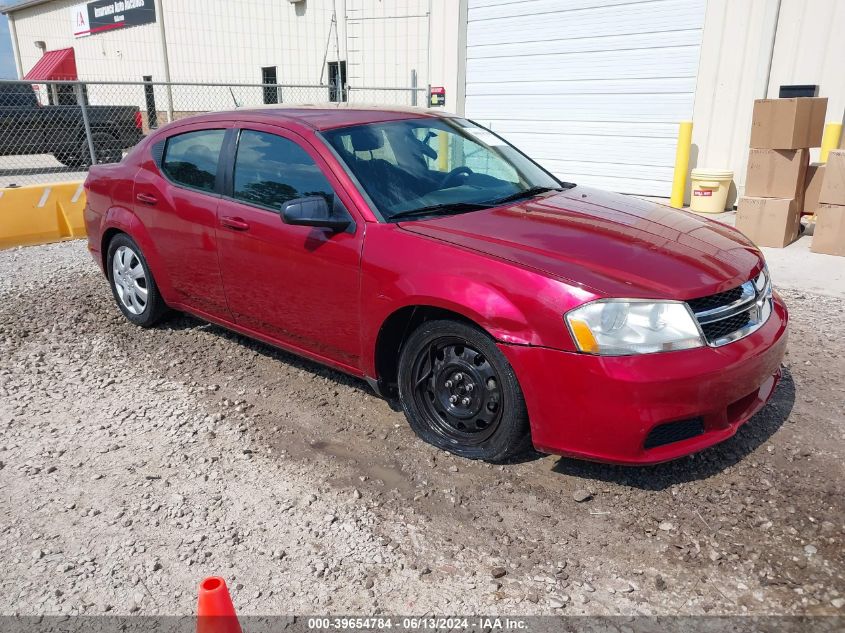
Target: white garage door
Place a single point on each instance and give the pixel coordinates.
(591, 89)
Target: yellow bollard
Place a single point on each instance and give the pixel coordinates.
(679, 180)
(830, 140)
(442, 151)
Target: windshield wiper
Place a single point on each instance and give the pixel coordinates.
(441, 209)
(519, 195)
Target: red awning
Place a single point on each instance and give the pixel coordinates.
(54, 65)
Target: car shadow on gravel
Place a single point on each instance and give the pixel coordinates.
(708, 463)
(188, 322)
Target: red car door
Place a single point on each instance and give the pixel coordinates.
(176, 197)
(296, 284)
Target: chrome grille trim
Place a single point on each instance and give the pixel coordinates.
(755, 300)
(748, 297)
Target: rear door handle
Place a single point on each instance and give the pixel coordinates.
(146, 198)
(234, 223)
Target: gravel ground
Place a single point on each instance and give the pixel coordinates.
(135, 462)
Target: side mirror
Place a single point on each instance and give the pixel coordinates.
(312, 211)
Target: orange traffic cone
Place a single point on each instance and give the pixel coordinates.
(215, 612)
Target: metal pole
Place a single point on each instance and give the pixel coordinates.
(428, 48)
(163, 40)
(15, 46)
(413, 86)
(80, 99)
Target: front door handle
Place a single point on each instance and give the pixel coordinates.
(234, 223)
(146, 198)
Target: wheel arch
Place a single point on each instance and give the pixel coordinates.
(108, 235)
(395, 330)
(122, 220)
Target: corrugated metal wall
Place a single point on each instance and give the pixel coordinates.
(592, 89)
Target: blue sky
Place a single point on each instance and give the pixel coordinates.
(7, 60)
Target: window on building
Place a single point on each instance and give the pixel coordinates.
(268, 76)
(191, 158)
(271, 170)
(337, 81)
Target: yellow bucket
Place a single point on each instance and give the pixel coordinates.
(710, 188)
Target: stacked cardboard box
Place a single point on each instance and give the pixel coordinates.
(829, 234)
(782, 131)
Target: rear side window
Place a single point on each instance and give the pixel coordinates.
(191, 158)
(271, 170)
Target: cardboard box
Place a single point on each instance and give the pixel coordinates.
(788, 123)
(813, 187)
(768, 221)
(833, 185)
(829, 234)
(776, 173)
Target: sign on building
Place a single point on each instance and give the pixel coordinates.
(108, 15)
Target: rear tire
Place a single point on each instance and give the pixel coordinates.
(132, 283)
(460, 394)
(105, 147)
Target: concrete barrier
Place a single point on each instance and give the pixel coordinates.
(38, 214)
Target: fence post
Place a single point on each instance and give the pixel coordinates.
(413, 86)
(428, 96)
(80, 99)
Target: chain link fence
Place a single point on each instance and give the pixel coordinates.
(53, 131)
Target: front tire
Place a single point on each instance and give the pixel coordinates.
(132, 283)
(460, 394)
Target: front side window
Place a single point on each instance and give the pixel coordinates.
(271, 170)
(437, 165)
(191, 158)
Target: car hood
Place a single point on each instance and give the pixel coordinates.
(611, 244)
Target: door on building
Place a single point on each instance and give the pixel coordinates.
(268, 76)
(337, 81)
(593, 90)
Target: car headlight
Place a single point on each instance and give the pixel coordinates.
(618, 327)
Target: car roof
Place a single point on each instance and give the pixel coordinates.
(322, 116)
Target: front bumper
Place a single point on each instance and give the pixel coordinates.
(604, 408)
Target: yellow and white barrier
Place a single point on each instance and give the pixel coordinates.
(37, 214)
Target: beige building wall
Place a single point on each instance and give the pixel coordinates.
(230, 41)
(810, 49)
(749, 49)
(124, 55)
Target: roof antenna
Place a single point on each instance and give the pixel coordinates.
(232, 92)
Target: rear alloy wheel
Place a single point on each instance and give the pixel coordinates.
(132, 283)
(460, 394)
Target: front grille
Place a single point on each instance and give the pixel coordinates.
(715, 301)
(727, 316)
(674, 432)
(719, 329)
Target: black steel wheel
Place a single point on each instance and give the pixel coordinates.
(459, 392)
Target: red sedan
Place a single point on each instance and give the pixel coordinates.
(423, 253)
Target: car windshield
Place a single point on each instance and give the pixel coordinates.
(431, 166)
